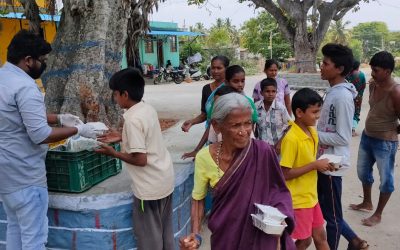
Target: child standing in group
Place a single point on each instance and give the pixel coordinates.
(299, 167)
(283, 90)
(235, 77)
(273, 118)
(335, 132)
(147, 161)
(235, 82)
(223, 90)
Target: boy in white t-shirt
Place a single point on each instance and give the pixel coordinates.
(147, 160)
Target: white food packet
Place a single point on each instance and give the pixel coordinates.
(79, 143)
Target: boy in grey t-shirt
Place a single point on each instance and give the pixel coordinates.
(334, 134)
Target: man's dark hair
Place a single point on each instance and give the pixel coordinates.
(341, 56)
(383, 59)
(26, 43)
(223, 90)
(129, 80)
(356, 65)
(232, 70)
(270, 62)
(225, 61)
(268, 82)
(304, 98)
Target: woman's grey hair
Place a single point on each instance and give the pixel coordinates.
(227, 103)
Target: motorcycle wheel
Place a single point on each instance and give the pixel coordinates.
(206, 77)
(178, 79)
(157, 80)
(196, 78)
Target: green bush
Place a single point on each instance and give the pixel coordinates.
(397, 70)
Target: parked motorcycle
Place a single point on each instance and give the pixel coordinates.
(169, 75)
(193, 72)
(207, 75)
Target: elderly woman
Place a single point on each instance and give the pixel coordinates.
(241, 171)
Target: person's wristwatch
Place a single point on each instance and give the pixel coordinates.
(199, 239)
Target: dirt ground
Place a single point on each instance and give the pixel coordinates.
(167, 123)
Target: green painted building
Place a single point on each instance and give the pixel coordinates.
(160, 44)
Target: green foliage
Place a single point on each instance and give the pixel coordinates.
(393, 44)
(397, 70)
(373, 36)
(256, 34)
(338, 33)
(356, 46)
(249, 65)
(187, 49)
(218, 38)
(223, 34)
(221, 39)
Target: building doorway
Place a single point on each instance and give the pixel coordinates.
(160, 53)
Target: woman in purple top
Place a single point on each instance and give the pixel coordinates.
(283, 95)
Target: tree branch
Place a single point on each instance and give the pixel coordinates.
(334, 10)
(31, 12)
(340, 4)
(283, 22)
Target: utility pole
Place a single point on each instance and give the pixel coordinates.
(270, 44)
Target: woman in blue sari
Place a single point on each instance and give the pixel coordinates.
(241, 171)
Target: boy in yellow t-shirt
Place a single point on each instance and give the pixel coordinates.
(299, 167)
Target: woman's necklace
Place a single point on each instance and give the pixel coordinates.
(219, 152)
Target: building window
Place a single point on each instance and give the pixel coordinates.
(148, 45)
(173, 43)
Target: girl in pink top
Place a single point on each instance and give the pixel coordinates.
(283, 95)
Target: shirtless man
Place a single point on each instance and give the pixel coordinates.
(379, 141)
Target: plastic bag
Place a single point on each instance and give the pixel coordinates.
(79, 143)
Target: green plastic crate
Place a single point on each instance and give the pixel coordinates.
(76, 172)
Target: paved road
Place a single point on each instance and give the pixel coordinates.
(183, 101)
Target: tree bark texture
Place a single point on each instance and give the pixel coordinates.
(31, 12)
(86, 52)
(292, 18)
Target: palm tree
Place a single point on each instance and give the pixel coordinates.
(338, 33)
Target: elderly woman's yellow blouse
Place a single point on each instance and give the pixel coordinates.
(205, 173)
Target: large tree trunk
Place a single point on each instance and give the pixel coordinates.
(304, 47)
(86, 52)
(292, 18)
(305, 59)
(305, 53)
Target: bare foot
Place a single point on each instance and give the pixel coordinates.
(371, 221)
(365, 207)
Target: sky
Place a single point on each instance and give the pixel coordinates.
(379, 10)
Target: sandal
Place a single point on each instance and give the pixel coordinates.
(362, 245)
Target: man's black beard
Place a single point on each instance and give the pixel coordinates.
(36, 73)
